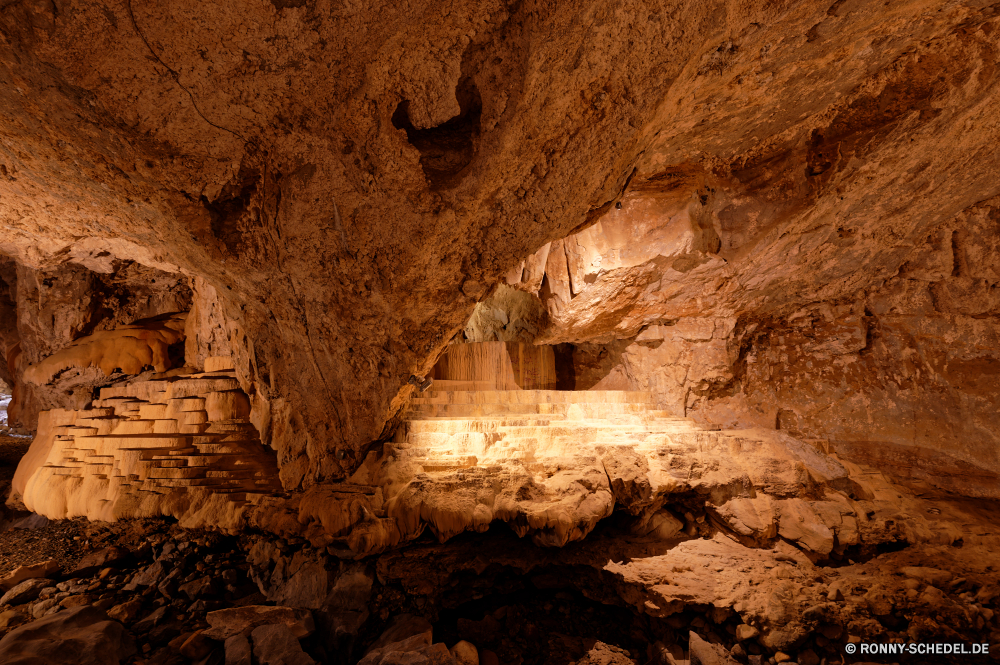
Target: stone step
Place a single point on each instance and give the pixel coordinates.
(510, 397)
(577, 411)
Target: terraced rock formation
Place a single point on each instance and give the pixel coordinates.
(171, 443)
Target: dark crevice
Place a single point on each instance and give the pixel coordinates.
(541, 618)
(229, 208)
(445, 150)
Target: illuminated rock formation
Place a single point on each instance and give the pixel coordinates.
(693, 303)
(176, 444)
(754, 158)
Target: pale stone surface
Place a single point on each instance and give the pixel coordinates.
(465, 653)
(173, 444)
(21, 573)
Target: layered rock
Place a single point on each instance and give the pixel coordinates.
(457, 141)
(176, 444)
(46, 312)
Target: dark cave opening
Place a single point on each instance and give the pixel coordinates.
(445, 150)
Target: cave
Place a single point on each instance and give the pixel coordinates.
(641, 333)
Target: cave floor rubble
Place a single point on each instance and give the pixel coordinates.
(539, 527)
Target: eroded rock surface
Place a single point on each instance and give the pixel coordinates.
(736, 160)
(757, 242)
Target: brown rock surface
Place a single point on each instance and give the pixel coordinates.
(241, 620)
(559, 332)
(81, 636)
(455, 143)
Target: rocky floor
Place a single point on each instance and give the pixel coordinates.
(151, 593)
(797, 571)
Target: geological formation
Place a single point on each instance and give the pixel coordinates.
(689, 309)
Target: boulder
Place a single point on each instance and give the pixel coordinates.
(465, 653)
(126, 612)
(407, 640)
(196, 588)
(80, 636)
(276, 644)
(410, 652)
(599, 653)
(154, 619)
(798, 522)
(45, 607)
(44, 569)
(11, 618)
(196, 646)
(932, 576)
(92, 562)
(238, 651)
(706, 653)
(242, 620)
(151, 575)
(75, 601)
(306, 587)
(401, 628)
(25, 592)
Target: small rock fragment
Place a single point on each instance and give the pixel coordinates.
(127, 612)
(465, 653)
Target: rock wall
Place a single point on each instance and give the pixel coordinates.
(904, 377)
(899, 373)
(45, 312)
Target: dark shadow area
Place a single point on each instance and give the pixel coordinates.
(445, 150)
(229, 207)
(539, 619)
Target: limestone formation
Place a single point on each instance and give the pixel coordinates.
(125, 350)
(650, 149)
(498, 332)
(172, 443)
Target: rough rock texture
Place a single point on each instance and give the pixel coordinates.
(898, 372)
(80, 636)
(45, 312)
(171, 443)
(618, 596)
(758, 238)
(350, 185)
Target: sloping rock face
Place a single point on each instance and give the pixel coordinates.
(346, 182)
(46, 312)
